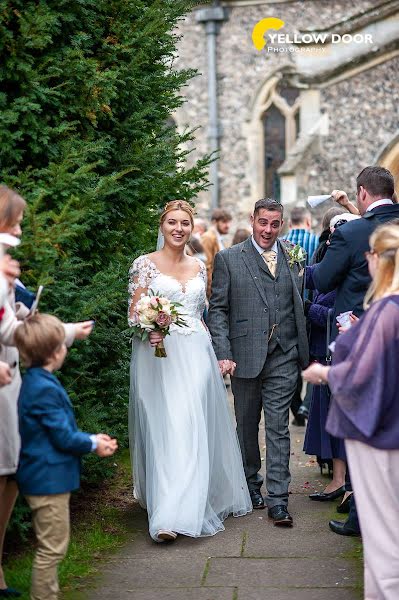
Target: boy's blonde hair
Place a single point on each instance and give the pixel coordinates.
(38, 338)
(385, 242)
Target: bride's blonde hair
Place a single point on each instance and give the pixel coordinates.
(384, 242)
(178, 205)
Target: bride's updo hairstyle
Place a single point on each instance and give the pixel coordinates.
(385, 243)
(178, 205)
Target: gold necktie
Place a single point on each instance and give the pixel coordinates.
(270, 258)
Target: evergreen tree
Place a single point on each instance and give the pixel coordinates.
(87, 87)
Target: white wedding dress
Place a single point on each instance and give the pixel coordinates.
(187, 465)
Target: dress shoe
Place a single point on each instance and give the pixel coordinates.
(303, 411)
(9, 593)
(257, 499)
(166, 536)
(342, 529)
(280, 516)
(343, 508)
(325, 497)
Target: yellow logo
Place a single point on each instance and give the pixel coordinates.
(258, 32)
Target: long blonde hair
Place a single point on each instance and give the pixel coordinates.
(384, 242)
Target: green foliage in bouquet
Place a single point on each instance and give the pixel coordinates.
(87, 90)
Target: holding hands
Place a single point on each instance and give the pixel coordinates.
(227, 366)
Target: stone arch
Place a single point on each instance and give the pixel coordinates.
(388, 157)
(266, 97)
(303, 116)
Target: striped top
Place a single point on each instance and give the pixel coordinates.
(307, 240)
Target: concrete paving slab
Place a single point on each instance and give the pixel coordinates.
(309, 572)
(251, 560)
(225, 543)
(310, 535)
(162, 572)
(296, 594)
(196, 593)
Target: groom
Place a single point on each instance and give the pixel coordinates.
(258, 329)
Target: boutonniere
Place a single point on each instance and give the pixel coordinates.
(296, 256)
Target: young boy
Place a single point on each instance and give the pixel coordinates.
(51, 447)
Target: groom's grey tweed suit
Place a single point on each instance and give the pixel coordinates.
(246, 301)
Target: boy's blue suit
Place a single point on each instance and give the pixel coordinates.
(51, 444)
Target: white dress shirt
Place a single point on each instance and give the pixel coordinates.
(383, 202)
(262, 250)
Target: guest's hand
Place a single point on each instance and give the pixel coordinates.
(155, 338)
(10, 268)
(316, 374)
(103, 436)
(5, 373)
(352, 319)
(83, 329)
(340, 197)
(105, 447)
(227, 366)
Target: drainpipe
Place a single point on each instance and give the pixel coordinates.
(212, 18)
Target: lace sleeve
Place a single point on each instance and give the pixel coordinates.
(203, 274)
(140, 275)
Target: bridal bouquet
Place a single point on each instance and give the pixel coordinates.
(155, 313)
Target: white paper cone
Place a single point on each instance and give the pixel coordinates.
(316, 200)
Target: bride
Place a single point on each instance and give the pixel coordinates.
(187, 465)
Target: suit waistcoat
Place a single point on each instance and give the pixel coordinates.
(280, 301)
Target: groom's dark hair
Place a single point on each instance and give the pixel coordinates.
(269, 204)
(377, 181)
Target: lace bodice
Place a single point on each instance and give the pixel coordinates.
(144, 274)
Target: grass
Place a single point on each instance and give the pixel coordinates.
(98, 529)
(355, 555)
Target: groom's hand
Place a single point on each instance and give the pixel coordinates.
(227, 366)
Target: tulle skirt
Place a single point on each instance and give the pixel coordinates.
(187, 465)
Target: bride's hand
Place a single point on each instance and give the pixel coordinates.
(227, 366)
(155, 337)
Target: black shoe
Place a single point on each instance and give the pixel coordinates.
(342, 529)
(322, 497)
(303, 411)
(280, 516)
(9, 593)
(299, 420)
(257, 499)
(343, 508)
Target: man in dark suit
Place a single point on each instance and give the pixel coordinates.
(345, 268)
(258, 329)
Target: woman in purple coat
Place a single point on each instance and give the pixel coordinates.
(364, 380)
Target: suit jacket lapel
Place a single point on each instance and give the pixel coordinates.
(294, 272)
(248, 254)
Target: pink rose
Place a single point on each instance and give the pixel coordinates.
(154, 301)
(163, 320)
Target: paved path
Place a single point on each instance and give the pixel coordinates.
(250, 560)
